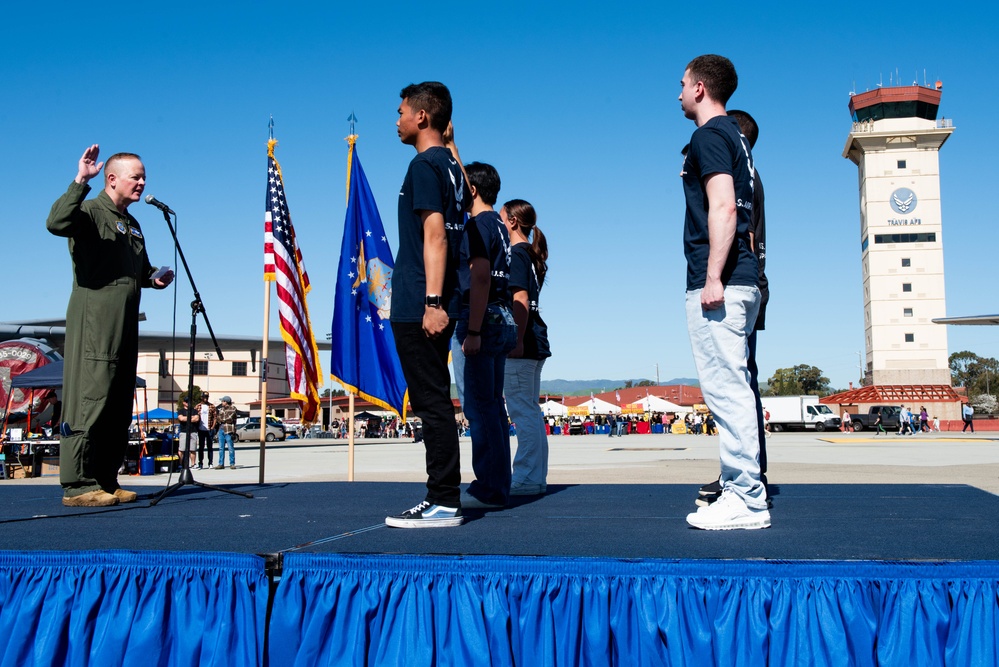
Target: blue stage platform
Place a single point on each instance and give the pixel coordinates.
(307, 574)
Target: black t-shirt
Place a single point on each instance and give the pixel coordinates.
(760, 248)
(434, 182)
(523, 277)
(190, 426)
(486, 236)
(717, 147)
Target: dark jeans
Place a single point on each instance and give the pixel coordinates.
(204, 442)
(424, 365)
(754, 383)
(968, 423)
(484, 406)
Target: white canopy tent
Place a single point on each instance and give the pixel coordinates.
(658, 404)
(554, 408)
(596, 406)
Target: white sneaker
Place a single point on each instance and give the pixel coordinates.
(729, 513)
(426, 515)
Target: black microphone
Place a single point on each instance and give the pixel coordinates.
(153, 201)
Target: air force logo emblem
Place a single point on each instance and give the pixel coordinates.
(903, 201)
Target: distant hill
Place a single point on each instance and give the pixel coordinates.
(583, 387)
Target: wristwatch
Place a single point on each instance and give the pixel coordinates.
(432, 300)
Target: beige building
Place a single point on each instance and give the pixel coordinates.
(895, 142)
(238, 375)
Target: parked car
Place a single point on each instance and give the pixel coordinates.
(889, 417)
(576, 426)
(251, 430)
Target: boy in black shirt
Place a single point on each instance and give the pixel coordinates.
(487, 332)
(425, 302)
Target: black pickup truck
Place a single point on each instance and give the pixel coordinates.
(889, 418)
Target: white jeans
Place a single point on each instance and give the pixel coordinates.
(522, 387)
(719, 341)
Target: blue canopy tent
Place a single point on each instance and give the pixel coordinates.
(48, 376)
(157, 413)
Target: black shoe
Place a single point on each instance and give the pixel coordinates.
(712, 489)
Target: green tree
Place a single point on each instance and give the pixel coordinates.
(979, 375)
(646, 383)
(628, 384)
(196, 391)
(960, 365)
(800, 379)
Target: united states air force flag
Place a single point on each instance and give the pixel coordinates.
(364, 358)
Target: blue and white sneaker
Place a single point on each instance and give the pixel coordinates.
(426, 515)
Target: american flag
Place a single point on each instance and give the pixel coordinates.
(283, 264)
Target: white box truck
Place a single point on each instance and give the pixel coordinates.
(799, 412)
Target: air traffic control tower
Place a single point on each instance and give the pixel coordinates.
(895, 143)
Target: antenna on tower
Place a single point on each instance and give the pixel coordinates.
(881, 80)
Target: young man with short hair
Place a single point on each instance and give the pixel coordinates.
(723, 296)
(487, 332)
(425, 300)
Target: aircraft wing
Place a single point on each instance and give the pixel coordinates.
(973, 319)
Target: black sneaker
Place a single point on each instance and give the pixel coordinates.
(712, 489)
(426, 515)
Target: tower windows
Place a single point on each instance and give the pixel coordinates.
(901, 164)
(906, 287)
(906, 262)
(907, 312)
(930, 237)
(910, 338)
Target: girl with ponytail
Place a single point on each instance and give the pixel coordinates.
(522, 381)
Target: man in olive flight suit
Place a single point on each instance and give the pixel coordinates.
(110, 267)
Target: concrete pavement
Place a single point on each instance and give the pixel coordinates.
(795, 458)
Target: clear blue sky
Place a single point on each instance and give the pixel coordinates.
(574, 103)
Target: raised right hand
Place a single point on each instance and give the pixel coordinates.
(89, 166)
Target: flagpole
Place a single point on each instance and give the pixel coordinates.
(350, 440)
(263, 382)
(351, 138)
(264, 351)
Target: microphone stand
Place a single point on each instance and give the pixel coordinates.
(186, 478)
